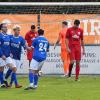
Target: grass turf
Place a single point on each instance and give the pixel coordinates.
(56, 88)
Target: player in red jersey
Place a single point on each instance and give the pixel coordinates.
(74, 41)
(29, 37)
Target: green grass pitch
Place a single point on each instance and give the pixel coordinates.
(56, 88)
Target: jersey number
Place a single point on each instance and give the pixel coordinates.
(42, 47)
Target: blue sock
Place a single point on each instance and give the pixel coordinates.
(8, 73)
(30, 77)
(1, 77)
(35, 79)
(14, 78)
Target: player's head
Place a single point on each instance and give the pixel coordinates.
(40, 32)
(64, 24)
(16, 30)
(3, 27)
(76, 23)
(33, 28)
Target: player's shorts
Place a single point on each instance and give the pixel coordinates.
(29, 55)
(17, 63)
(35, 65)
(75, 53)
(8, 60)
(2, 62)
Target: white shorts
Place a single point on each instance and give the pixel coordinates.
(17, 63)
(8, 60)
(35, 65)
(2, 62)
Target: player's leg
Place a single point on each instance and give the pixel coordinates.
(8, 73)
(29, 56)
(70, 68)
(33, 65)
(77, 70)
(35, 73)
(17, 64)
(31, 77)
(72, 60)
(63, 57)
(78, 58)
(2, 64)
(35, 78)
(66, 61)
(11, 64)
(1, 76)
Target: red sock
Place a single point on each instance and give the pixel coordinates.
(77, 70)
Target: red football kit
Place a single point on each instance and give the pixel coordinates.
(29, 37)
(75, 35)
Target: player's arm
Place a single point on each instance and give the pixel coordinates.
(48, 47)
(1, 52)
(27, 37)
(82, 42)
(23, 43)
(57, 42)
(33, 45)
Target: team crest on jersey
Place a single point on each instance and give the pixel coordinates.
(79, 33)
(72, 31)
(31, 35)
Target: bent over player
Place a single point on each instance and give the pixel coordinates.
(74, 41)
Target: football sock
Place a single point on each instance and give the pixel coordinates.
(70, 70)
(1, 77)
(8, 73)
(77, 70)
(35, 79)
(14, 78)
(31, 77)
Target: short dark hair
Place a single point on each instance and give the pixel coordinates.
(65, 23)
(32, 26)
(40, 31)
(1, 25)
(76, 22)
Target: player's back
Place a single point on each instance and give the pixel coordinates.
(41, 46)
(63, 37)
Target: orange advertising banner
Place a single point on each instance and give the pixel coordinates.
(51, 23)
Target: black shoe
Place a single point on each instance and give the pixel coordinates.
(6, 83)
(3, 86)
(29, 88)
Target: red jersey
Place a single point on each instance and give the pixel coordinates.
(75, 35)
(30, 36)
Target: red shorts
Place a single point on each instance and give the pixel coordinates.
(29, 55)
(75, 52)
